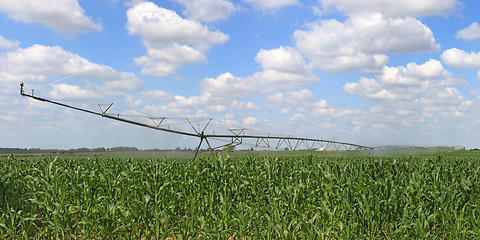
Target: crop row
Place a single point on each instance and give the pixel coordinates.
(309, 197)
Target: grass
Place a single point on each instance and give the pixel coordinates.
(308, 196)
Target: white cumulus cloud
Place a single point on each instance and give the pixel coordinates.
(250, 121)
(363, 86)
(411, 94)
(8, 44)
(132, 101)
(361, 42)
(244, 105)
(218, 108)
(157, 95)
(413, 74)
(284, 68)
(39, 63)
(170, 39)
(394, 8)
(291, 98)
(46, 60)
(444, 97)
(63, 16)
(283, 59)
(65, 91)
(469, 33)
(460, 59)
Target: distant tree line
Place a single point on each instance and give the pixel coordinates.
(13, 149)
(123, 149)
(76, 150)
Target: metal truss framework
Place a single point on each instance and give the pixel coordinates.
(234, 139)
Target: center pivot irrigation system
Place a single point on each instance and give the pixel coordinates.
(233, 136)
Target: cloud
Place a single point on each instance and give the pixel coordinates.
(297, 117)
(470, 33)
(178, 108)
(412, 75)
(157, 95)
(447, 96)
(229, 121)
(208, 10)
(65, 91)
(283, 59)
(46, 60)
(64, 16)
(244, 105)
(394, 8)
(132, 101)
(304, 106)
(316, 104)
(361, 41)
(120, 83)
(372, 90)
(227, 84)
(194, 106)
(386, 96)
(9, 118)
(38, 63)
(330, 112)
(291, 98)
(460, 59)
(379, 125)
(286, 111)
(364, 86)
(411, 94)
(193, 101)
(250, 121)
(404, 82)
(428, 70)
(10, 83)
(284, 68)
(171, 40)
(8, 44)
(273, 4)
(218, 108)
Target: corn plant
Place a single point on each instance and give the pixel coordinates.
(248, 197)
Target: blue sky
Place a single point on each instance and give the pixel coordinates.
(372, 72)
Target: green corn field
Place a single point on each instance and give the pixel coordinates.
(243, 197)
